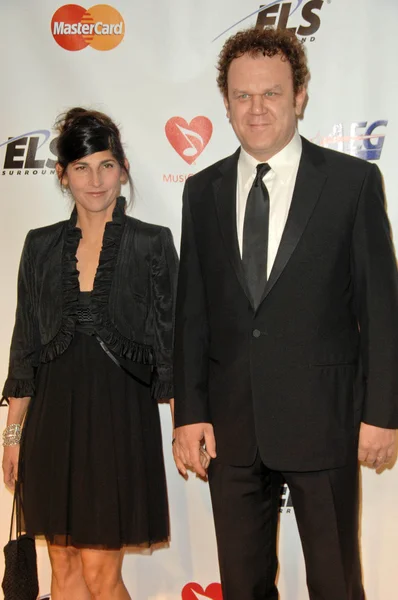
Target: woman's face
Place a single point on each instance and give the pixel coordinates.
(95, 181)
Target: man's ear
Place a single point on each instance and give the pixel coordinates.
(226, 104)
(300, 100)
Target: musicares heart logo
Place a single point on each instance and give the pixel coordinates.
(194, 591)
(189, 139)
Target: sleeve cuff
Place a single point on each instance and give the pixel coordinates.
(162, 390)
(19, 388)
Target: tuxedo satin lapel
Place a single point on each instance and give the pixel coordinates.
(224, 189)
(309, 184)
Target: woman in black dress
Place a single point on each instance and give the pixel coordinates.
(90, 359)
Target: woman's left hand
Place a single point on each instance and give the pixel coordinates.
(10, 465)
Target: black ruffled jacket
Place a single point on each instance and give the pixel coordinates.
(132, 300)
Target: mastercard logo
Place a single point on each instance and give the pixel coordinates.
(74, 28)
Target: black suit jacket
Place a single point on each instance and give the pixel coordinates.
(132, 302)
(295, 377)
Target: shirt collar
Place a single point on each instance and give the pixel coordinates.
(281, 163)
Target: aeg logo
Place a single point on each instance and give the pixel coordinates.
(21, 157)
(74, 28)
(279, 15)
(365, 140)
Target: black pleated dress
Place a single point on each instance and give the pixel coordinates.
(92, 468)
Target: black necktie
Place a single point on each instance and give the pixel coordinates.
(255, 235)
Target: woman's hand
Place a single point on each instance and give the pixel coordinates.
(16, 413)
(10, 465)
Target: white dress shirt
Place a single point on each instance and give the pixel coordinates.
(280, 182)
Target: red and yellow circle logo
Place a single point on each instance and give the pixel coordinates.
(74, 28)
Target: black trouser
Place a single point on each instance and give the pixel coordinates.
(246, 507)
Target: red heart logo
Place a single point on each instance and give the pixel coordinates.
(189, 139)
(194, 591)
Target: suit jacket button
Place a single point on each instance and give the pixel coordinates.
(256, 333)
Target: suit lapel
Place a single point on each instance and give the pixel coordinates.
(310, 180)
(224, 189)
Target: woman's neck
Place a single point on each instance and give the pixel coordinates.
(92, 224)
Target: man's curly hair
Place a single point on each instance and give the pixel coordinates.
(268, 42)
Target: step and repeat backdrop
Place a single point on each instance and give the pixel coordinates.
(151, 66)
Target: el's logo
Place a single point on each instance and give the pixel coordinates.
(285, 500)
(24, 157)
(279, 14)
(74, 28)
(300, 16)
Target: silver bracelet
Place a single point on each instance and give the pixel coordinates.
(12, 434)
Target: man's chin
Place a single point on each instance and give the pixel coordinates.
(258, 150)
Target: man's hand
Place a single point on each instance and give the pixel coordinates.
(194, 446)
(377, 446)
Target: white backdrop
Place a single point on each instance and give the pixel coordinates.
(160, 66)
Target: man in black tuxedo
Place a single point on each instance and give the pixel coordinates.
(286, 350)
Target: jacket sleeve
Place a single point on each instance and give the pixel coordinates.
(376, 303)
(164, 284)
(21, 373)
(192, 331)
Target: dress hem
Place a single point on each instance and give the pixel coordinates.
(52, 539)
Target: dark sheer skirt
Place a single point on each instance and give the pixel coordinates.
(91, 466)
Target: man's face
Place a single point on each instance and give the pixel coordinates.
(261, 104)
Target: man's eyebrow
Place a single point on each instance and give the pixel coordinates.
(274, 88)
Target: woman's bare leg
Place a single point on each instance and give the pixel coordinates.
(67, 579)
(102, 571)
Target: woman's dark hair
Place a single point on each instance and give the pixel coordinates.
(83, 132)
